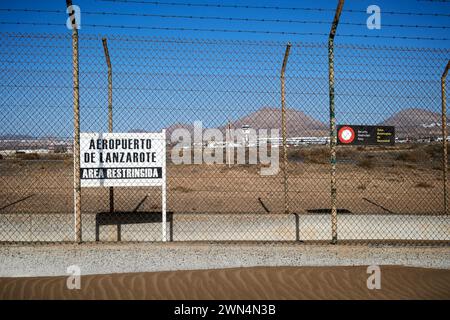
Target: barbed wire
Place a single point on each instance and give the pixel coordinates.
(440, 1)
(195, 74)
(242, 91)
(228, 31)
(171, 16)
(237, 6)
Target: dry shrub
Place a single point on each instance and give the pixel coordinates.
(55, 156)
(435, 151)
(294, 155)
(27, 156)
(410, 166)
(315, 155)
(60, 149)
(366, 163)
(425, 185)
(345, 153)
(414, 146)
(182, 189)
(319, 155)
(68, 162)
(414, 156)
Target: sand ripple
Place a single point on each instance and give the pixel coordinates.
(240, 283)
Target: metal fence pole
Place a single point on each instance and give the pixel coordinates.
(76, 126)
(228, 144)
(164, 192)
(444, 134)
(333, 138)
(283, 127)
(110, 111)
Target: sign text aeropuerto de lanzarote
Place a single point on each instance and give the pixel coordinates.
(365, 135)
(122, 159)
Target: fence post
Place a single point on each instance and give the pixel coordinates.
(283, 128)
(163, 193)
(333, 138)
(110, 111)
(228, 151)
(76, 125)
(444, 134)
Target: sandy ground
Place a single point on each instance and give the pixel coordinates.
(371, 182)
(30, 186)
(240, 283)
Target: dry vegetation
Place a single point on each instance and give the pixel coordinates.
(318, 155)
(407, 156)
(362, 187)
(403, 179)
(425, 185)
(27, 156)
(366, 163)
(412, 156)
(41, 156)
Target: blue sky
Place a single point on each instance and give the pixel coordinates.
(386, 6)
(34, 101)
(95, 6)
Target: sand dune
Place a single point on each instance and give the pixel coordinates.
(240, 283)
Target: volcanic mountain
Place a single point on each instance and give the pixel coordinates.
(415, 123)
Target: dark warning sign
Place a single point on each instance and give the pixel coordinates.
(365, 135)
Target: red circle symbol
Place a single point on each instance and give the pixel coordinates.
(346, 135)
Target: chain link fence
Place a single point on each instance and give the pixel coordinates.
(384, 193)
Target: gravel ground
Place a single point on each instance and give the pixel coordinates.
(53, 260)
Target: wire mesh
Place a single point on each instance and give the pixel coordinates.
(384, 193)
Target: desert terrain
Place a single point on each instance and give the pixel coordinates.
(383, 193)
(259, 283)
(405, 179)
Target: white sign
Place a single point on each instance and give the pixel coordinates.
(122, 159)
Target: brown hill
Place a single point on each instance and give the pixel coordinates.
(415, 123)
